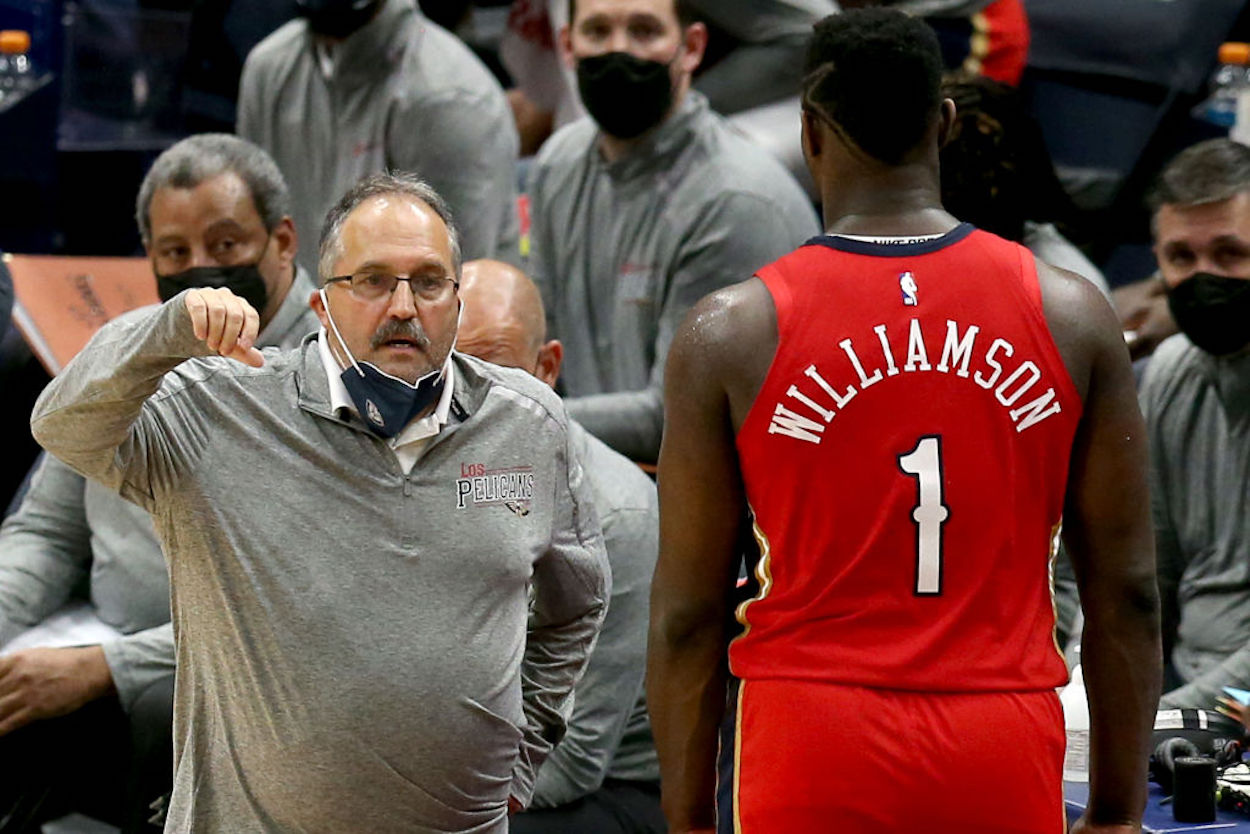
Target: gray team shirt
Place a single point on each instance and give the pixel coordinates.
(622, 250)
(609, 734)
(69, 529)
(353, 648)
(404, 94)
(1197, 409)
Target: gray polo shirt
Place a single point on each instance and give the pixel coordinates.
(69, 529)
(1197, 409)
(622, 250)
(403, 94)
(359, 648)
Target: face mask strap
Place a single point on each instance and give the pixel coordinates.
(325, 304)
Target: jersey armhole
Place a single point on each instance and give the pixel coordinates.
(1031, 283)
(779, 290)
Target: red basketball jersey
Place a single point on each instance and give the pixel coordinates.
(906, 462)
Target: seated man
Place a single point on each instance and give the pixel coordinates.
(604, 776)
(642, 209)
(1196, 398)
(84, 726)
(358, 87)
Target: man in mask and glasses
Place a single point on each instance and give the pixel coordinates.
(88, 727)
(386, 568)
(354, 87)
(1196, 398)
(642, 209)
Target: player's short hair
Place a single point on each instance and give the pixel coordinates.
(1207, 172)
(195, 159)
(875, 74)
(381, 185)
(685, 12)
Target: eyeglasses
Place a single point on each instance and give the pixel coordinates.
(374, 286)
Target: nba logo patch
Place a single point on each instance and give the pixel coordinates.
(907, 284)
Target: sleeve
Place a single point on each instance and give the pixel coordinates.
(1169, 559)
(98, 415)
(539, 259)
(609, 691)
(250, 109)
(45, 548)
(138, 660)
(571, 583)
(466, 147)
(735, 235)
(1067, 600)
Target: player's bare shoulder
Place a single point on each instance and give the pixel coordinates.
(730, 337)
(1081, 321)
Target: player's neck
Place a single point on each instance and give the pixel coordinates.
(900, 202)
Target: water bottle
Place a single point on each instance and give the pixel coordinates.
(17, 77)
(1076, 725)
(1230, 81)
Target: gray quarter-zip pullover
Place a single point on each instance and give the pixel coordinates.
(353, 647)
(1197, 409)
(621, 251)
(403, 94)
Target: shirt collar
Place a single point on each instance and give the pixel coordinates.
(293, 307)
(670, 137)
(417, 429)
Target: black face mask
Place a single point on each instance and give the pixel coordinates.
(626, 96)
(337, 18)
(243, 280)
(1213, 311)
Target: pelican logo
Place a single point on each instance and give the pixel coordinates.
(907, 283)
(372, 411)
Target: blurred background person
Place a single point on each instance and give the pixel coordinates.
(643, 208)
(364, 86)
(603, 776)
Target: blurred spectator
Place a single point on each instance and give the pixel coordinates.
(997, 175)
(753, 58)
(84, 727)
(603, 776)
(355, 88)
(1196, 398)
(643, 209)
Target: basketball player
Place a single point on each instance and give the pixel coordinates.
(908, 407)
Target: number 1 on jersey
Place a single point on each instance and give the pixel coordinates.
(925, 464)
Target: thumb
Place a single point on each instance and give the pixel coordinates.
(248, 356)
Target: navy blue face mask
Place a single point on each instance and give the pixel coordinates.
(387, 403)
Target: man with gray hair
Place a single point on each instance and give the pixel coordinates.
(1196, 399)
(386, 570)
(75, 721)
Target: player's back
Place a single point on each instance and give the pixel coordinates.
(906, 461)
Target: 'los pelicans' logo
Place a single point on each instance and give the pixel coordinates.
(907, 283)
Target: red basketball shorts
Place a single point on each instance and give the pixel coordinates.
(818, 757)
